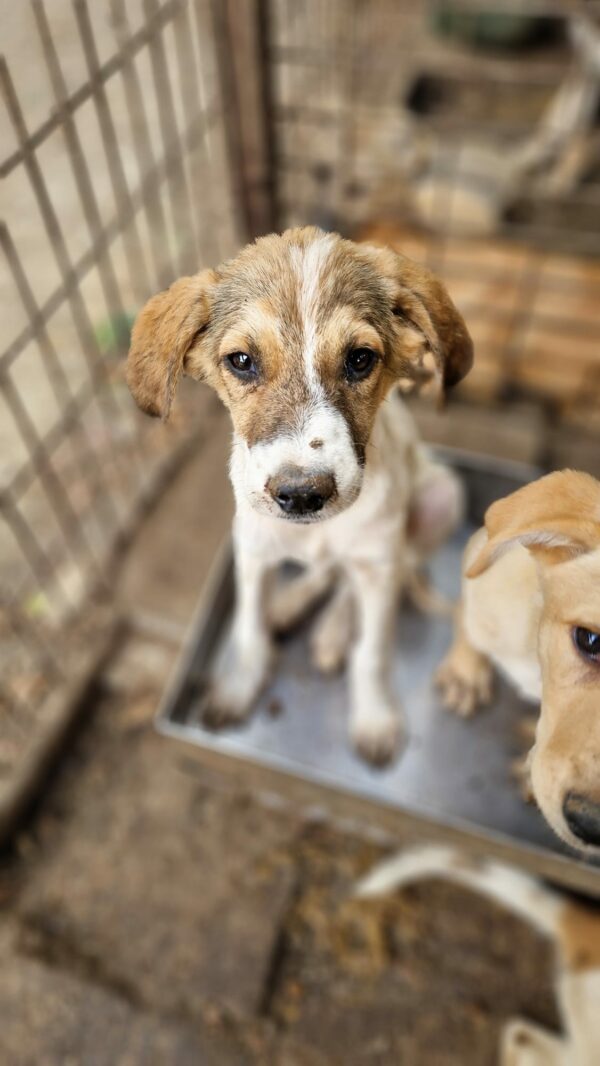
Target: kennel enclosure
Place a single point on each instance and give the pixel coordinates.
(152, 139)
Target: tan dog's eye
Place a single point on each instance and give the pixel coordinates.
(242, 365)
(359, 363)
(587, 642)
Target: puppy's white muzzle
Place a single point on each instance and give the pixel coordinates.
(306, 474)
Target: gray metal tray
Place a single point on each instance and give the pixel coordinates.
(452, 774)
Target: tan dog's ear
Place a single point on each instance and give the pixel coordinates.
(421, 301)
(164, 331)
(556, 518)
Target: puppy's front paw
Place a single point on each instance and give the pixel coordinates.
(231, 697)
(464, 680)
(226, 705)
(377, 736)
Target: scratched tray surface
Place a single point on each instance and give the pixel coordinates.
(453, 771)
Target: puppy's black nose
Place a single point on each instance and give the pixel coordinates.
(299, 494)
(582, 816)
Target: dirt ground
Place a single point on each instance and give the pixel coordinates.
(152, 914)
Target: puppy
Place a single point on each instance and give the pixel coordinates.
(531, 606)
(303, 336)
(573, 927)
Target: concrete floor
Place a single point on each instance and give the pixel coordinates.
(150, 914)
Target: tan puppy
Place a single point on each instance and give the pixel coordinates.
(531, 606)
(573, 927)
(303, 336)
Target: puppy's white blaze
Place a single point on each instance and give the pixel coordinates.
(521, 894)
(309, 264)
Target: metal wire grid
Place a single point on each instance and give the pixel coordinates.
(153, 200)
(340, 72)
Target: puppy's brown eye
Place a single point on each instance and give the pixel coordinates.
(242, 364)
(587, 642)
(359, 363)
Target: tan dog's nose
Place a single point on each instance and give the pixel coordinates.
(299, 493)
(582, 816)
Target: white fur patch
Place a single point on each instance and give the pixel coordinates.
(309, 264)
(523, 895)
(251, 467)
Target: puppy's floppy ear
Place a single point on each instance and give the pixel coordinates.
(556, 518)
(421, 301)
(164, 331)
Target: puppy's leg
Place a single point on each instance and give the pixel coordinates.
(375, 717)
(526, 1044)
(288, 602)
(334, 630)
(249, 661)
(464, 676)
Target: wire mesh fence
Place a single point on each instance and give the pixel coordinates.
(114, 180)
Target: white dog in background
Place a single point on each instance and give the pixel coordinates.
(573, 927)
(304, 336)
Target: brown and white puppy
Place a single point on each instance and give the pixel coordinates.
(303, 336)
(573, 927)
(531, 606)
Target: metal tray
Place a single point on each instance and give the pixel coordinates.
(453, 775)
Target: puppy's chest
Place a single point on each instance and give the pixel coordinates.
(337, 541)
(372, 528)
